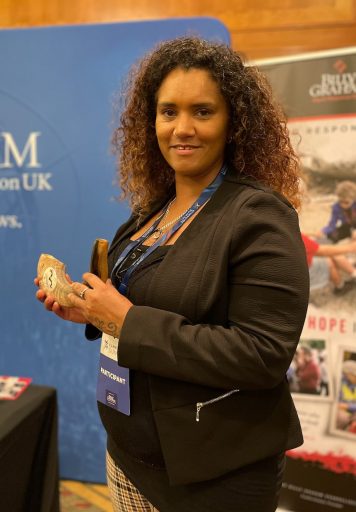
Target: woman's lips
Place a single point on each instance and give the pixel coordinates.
(184, 149)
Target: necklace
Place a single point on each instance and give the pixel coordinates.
(159, 230)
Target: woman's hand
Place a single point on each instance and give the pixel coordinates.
(49, 302)
(101, 304)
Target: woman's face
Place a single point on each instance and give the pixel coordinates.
(192, 121)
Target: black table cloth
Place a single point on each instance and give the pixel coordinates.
(28, 452)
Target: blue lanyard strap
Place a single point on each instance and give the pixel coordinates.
(202, 199)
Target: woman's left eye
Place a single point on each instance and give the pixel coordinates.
(203, 112)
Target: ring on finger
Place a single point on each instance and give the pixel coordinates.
(82, 293)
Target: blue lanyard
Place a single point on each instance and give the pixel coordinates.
(202, 199)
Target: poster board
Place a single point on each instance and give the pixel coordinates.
(318, 92)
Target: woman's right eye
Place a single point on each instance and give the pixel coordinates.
(168, 112)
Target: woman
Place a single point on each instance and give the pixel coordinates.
(209, 319)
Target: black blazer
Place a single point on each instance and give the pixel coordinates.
(224, 312)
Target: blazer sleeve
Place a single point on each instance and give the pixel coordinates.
(268, 289)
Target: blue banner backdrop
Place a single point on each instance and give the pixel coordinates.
(57, 196)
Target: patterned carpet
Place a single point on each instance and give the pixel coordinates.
(75, 496)
(88, 497)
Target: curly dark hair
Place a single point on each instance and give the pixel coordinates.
(259, 147)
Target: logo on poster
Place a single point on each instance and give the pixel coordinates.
(13, 157)
(339, 85)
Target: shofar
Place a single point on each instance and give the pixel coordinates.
(52, 272)
(52, 277)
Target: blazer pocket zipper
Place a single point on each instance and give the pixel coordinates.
(200, 405)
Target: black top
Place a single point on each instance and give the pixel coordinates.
(133, 440)
(135, 434)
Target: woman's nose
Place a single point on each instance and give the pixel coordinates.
(184, 126)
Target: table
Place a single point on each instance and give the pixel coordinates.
(29, 479)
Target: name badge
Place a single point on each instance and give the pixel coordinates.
(113, 388)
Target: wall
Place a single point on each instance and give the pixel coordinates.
(259, 28)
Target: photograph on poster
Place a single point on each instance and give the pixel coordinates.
(328, 215)
(309, 374)
(343, 417)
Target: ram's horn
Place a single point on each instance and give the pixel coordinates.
(52, 277)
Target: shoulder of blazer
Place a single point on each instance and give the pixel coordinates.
(257, 186)
(230, 178)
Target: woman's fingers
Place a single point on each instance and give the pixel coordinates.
(93, 280)
(77, 301)
(81, 291)
(40, 295)
(79, 294)
(48, 303)
(66, 313)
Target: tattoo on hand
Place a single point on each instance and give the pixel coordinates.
(99, 324)
(111, 328)
(114, 329)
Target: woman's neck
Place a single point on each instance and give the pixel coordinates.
(186, 195)
(189, 189)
